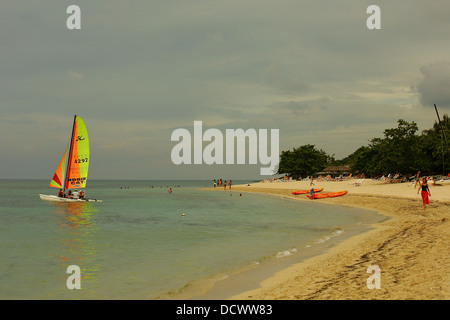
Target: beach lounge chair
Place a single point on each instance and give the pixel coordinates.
(357, 183)
(396, 179)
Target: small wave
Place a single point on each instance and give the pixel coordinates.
(222, 277)
(285, 253)
(328, 237)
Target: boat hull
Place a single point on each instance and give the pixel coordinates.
(328, 194)
(53, 198)
(305, 191)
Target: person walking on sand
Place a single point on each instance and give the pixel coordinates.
(311, 183)
(229, 184)
(425, 192)
(417, 180)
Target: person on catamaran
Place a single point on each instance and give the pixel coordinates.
(61, 193)
(69, 194)
(75, 194)
(81, 195)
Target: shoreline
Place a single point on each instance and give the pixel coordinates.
(412, 248)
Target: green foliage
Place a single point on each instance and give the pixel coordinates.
(435, 152)
(398, 151)
(401, 150)
(303, 161)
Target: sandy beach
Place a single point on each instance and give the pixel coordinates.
(412, 249)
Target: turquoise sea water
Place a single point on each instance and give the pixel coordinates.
(138, 245)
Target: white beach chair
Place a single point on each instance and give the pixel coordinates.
(357, 183)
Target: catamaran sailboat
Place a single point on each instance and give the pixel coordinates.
(72, 170)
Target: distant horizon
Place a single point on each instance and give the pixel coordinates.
(212, 180)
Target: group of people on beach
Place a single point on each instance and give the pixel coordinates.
(219, 183)
(71, 195)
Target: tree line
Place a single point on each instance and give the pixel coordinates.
(401, 150)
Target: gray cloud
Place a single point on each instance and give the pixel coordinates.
(434, 88)
(137, 72)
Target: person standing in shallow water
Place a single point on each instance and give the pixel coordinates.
(425, 192)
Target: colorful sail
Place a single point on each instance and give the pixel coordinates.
(59, 176)
(72, 170)
(79, 156)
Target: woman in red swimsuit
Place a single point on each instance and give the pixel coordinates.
(425, 192)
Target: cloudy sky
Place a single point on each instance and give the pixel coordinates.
(137, 70)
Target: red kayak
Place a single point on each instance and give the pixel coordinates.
(305, 191)
(328, 194)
